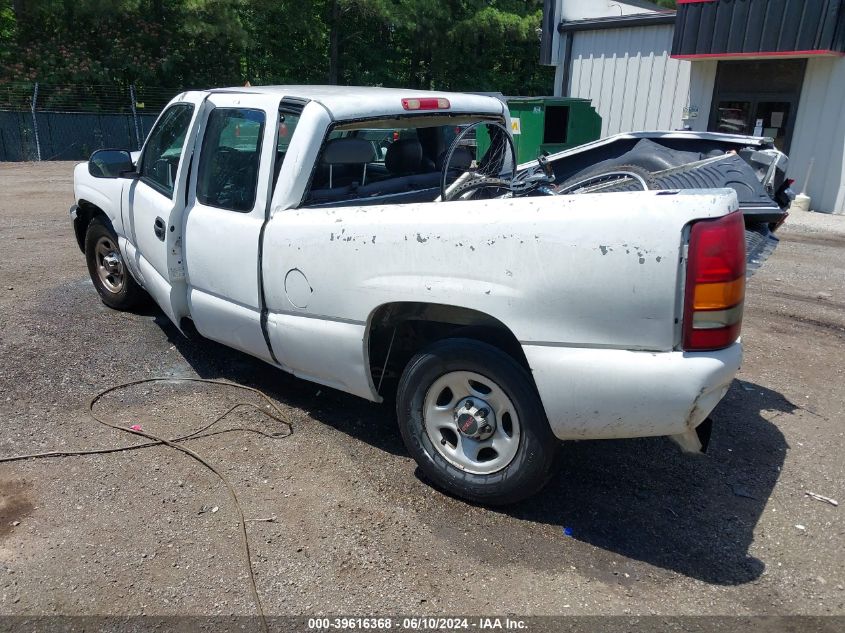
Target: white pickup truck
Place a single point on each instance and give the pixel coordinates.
(315, 228)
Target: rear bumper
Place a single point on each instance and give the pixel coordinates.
(603, 394)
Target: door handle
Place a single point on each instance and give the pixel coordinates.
(159, 229)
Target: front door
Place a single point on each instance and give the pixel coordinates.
(227, 206)
(154, 205)
(758, 98)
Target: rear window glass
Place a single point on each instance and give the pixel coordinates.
(367, 164)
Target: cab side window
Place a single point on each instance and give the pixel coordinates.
(163, 151)
(231, 151)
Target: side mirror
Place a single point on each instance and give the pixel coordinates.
(111, 163)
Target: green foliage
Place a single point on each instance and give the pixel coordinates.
(178, 44)
(154, 42)
(668, 4)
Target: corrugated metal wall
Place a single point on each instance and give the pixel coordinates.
(702, 83)
(630, 78)
(820, 135)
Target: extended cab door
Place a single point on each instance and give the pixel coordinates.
(154, 203)
(228, 201)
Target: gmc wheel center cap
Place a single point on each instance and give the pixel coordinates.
(111, 262)
(475, 419)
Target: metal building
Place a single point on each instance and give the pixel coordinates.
(617, 54)
(764, 67)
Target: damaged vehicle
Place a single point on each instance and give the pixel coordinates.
(752, 166)
(384, 242)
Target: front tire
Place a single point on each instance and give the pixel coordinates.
(111, 278)
(471, 418)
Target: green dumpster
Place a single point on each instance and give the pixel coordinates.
(551, 124)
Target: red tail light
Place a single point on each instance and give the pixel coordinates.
(715, 288)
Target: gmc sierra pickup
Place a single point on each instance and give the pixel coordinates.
(328, 231)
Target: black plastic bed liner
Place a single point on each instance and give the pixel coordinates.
(726, 171)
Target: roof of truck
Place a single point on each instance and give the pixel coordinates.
(345, 102)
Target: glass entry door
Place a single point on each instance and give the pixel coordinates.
(756, 118)
(758, 98)
(774, 118)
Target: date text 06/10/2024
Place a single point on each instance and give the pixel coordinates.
(416, 624)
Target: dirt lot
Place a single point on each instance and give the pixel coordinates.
(356, 531)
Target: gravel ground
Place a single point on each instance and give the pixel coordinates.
(355, 530)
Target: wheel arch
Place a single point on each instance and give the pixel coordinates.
(85, 212)
(397, 331)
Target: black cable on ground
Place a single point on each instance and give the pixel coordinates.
(155, 440)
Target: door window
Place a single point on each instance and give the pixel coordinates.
(732, 117)
(229, 159)
(773, 117)
(163, 151)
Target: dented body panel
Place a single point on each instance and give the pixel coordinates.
(593, 393)
(564, 274)
(591, 286)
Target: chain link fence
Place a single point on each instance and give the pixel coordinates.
(68, 122)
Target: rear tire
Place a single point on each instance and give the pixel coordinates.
(472, 419)
(111, 277)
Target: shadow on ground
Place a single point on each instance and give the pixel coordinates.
(366, 421)
(642, 499)
(694, 515)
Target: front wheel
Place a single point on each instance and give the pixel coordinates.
(114, 283)
(471, 418)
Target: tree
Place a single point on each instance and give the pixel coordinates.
(454, 44)
(126, 41)
(501, 43)
(179, 44)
